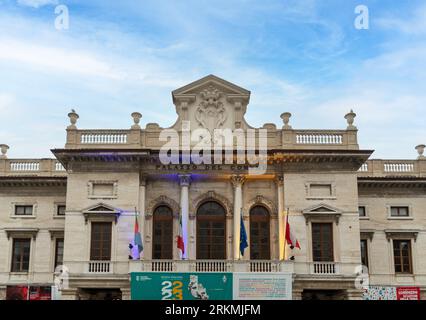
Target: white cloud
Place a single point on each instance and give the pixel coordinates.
(37, 3)
(414, 25)
(55, 59)
(6, 101)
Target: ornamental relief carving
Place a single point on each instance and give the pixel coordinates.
(210, 113)
(261, 200)
(210, 195)
(162, 200)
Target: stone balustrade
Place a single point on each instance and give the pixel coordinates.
(320, 139)
(31, 167)
(393, 168)
(210, 266)
(315, 269)
(149, 138)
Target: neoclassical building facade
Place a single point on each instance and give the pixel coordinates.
(76, 212)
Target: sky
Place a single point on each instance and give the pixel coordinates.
(302, 56)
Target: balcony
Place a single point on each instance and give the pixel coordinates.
(314, 270)
(210, 266)
(325, 268)
(99, 267)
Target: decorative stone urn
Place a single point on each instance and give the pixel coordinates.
(286, 119)
(73, 119)
(3, 150)
(421, 149)
(350, 117)
(136, 119)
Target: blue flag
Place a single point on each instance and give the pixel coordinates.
(243, 237)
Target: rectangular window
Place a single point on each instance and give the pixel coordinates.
(402, 256)
(59, 252)
(399, 211)
(100, 249)
(364, 252)
(21, 255)
(23, 210)
(320, 190)
(362, 212)
(60, 210)
(322, 242)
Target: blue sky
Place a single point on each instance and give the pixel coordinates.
(302, 56)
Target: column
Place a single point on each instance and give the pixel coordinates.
(146, 254)
(126, 294)
(184, 181)
(237, 182)
(280, 194)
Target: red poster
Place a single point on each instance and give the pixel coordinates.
(408, 293)
(17, 293)
(28, 293)
(40, 293)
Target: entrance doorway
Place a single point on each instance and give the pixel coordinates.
(323, 295)
(99, 294)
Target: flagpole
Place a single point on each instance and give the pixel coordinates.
(241, 217)
(285, 234)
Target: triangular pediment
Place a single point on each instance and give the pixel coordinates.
(321, 208)
(210, 80)
(101, 208)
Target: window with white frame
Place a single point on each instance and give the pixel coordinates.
(399, 211)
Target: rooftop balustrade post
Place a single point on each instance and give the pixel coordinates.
(134, 137)
(72, 139)
(421, 163)
(287, 134)
(72, 134)
(3, 166)
(46, 165)
(352, 139)
(288, 138)
(377, 167)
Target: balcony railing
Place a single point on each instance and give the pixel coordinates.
(100, 267)
(324, 268)
(210, 266)
(314, 269)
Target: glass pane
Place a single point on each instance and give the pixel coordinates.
(322, 241)
(163, 233)
(61, 211)
(211, 230)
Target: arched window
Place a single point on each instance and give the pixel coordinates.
(259, 233)
(162, 241)
(211, 231)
